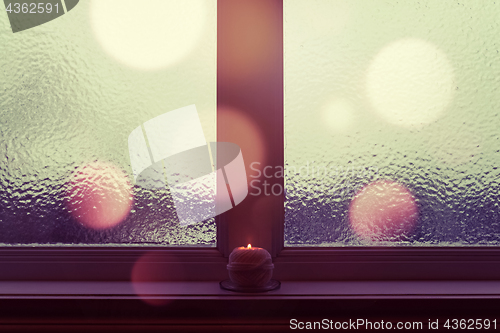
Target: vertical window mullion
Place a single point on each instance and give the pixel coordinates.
(250, 90)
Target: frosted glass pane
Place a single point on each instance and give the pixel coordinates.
(392, 123)
(72, 91)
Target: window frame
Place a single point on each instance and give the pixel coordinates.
(236, 227)
(374, 263)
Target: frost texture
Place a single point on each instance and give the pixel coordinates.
(64, 103)
(449, 164)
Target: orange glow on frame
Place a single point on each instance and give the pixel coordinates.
(248, 34)
(242, 130)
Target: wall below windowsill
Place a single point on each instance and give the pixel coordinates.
(204, 307)
(288, 290)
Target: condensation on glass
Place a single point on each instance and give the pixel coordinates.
(392, 123)
(72, 91)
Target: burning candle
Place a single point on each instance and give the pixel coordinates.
(250, 266)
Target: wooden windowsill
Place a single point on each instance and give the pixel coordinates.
(289, 290)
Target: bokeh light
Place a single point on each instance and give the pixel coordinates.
(383, 211)
(410, 83)
(99, 195)
(148, 35)
(148, 273)
(338, 115)
(240, 129)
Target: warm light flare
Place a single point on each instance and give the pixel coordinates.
(383, 211)
(151, 36)
(242, 130)
(249, 246)
(250, 32)
(147, 275)
(99, 195)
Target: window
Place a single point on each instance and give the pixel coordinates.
(250, 112)
(396, 102)
(307, 71)
(74, 90)
(236, 91)
(391, 140)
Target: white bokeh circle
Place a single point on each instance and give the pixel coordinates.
(410, 83)
(338, 115)
(148, 35)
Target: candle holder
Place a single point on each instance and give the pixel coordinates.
(250, 270)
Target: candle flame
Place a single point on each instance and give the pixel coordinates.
(249, 246)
